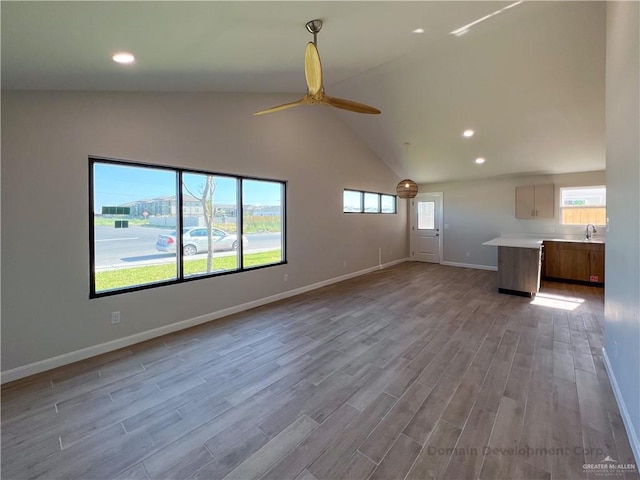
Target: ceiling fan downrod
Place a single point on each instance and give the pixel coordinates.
(314, 26)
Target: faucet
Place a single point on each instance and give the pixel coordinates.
(593, 228)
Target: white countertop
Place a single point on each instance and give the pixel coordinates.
(515, 242)
(532, 241)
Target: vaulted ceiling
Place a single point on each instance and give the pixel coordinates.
(529, 80)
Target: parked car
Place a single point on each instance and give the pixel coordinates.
(194, 240)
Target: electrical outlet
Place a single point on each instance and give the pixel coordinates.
(552, 229)
(115, 318)
(286, 277)
(615, 350)
(468, 254)
(344, 264)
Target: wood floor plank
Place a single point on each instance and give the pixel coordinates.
(261, 461)
(565, 395)
(370, 391)
(137, 472)
(504, 438)
(493, 387)
(180, 466)
(432, 461)
(473, 439)
(465, 396)
(333, 461)
(312, 447)
(398, 460)
(306, 475)
(388, 430)
(537, 429)
(240, 447)
(359, 467)
(413, 362)
(425, 419)
(567, 438)
(592, 408)
(407, 376)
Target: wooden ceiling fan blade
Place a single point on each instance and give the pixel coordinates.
(284, 106)
(312, 69)
(350, 105)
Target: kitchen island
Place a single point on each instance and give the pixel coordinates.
(519, 262)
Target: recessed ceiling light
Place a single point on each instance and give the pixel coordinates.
(419, 30)
(479, 160)
(124, 58)
(468, 133)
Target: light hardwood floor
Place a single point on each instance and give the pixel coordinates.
(410, 372)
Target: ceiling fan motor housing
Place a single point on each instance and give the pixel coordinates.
(314, 26)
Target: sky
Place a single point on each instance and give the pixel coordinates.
(118, 184)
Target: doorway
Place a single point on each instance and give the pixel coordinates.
(426, 226)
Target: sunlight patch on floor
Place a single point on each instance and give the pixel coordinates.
(557, 301)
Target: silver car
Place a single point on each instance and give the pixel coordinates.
(194, 240)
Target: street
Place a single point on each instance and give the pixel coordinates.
(118, 247)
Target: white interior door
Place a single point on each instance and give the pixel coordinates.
(426, 226)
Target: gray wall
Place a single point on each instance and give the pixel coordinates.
(46, 139)
(477, 211)
(622, 294)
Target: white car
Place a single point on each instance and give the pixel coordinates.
(195, 240)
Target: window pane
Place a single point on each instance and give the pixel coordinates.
(584, 197)
(142, 206)
(583, 205)
(584, 216)
(262, 222)
(372, 203)
(388, 203)
(426, 218)
(351, 201)
(209, 209)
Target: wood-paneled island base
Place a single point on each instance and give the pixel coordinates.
(519, 270)
(519, 263)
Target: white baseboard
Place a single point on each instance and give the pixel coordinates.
(626, 418)
(470, 265)
(71, 357)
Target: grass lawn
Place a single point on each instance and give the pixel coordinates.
(133, 276)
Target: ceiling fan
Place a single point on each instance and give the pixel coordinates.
(315, 89)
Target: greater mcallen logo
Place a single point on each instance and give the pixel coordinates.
(609, 466)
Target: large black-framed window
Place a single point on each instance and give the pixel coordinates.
(154, 225)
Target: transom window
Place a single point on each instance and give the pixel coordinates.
(357, 201)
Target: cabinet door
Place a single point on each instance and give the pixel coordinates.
(596, 266)
(552, 259)
(525, 202)
(543, 201)
(574, 264)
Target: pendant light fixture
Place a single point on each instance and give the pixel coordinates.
(407, 188)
